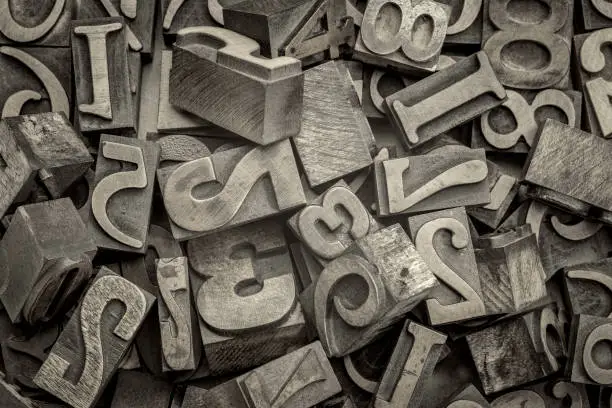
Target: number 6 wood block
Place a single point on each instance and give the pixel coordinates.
(95, 340)
(257, 98)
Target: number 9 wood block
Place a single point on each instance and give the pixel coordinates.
(217, 76)
(45, 258)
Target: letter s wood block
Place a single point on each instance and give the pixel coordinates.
(45, 259)
(233, 87)
(41, 23)
(96, 339)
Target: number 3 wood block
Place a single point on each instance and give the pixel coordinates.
(95, 339)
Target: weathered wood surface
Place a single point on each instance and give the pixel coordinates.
(136, 389)
(45, 23)
(588, 288)
(589, 350)
(596, 14)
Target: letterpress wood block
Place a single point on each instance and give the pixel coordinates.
(503, 189)
(590, 340)
(382, 278)
(594, 74)
(377, 85)
(596, 14)
(505, 355)
(445, 100)
(465, 22)
(588, 288)
(139, 17)
(562, 153)
(122, 199)
(550, 394)
(45, 86)
(10, 396)
(547, 332)
(563, 239)
(432, 182)
(99, 53)
(443, 239)
(300, 379)
(136, 389)
(544, 32)
(511, 273)
(242, 327)
(328, 232)
(179, 14)
(94, 340)
(54, 145)
(170, 118)
(469, 397)
(333, 140)
(512, 126)
(393, 44)
(343, 401)
(257, 182)
(175, 314)
(257, 98)
(142, 272)
(176, 149)
(80, 193)
(45, 23)
(46, 259)
(413, 360)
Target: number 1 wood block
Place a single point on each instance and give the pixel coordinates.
(95, 340)
(102, 78)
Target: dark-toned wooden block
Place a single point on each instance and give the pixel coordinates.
(334, 137)
(242, 327)
(445, 100)
(593, 68)
(54, 145)
(45, 86)
(465, 22)
(122, 199)
(326, 231)
(102, 78)
(179, 14)
(393, 45)
(562, 153)
(443, 239)
(396, 276)
(300, 379)
(46, 260)
(588, 288)
(136, 389)
(377, 85)
(139, 17)
(596, 14)
(257, 182)
(436, 181)
(10, 396)
(41, 23)
(413, 360)
(468, 397)
(512, 126)
(549, 394)
(94, 341)
(590, 340)
(257, 98)
(543, 59)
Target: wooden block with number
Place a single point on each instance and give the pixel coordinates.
(549, 394)
(588, 288)
(102, 78)
(589, 349)
(596, 14)
(96, 338)
(179, 14)
(38, 24)
(465, 23)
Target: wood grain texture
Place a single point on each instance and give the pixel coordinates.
(512, 126)
(252, 183)
(435, 181)
(122, 199)
(333, 140)
(95, 340)
(103, 85)
(139, 27)
(179, 14)
(46, 260)
(590, 337)
(413, 360)
(516, 66)
(300, 379)
(44, 86)
(443, 239)
(465, 22)
(596, 14)
(445, 100)
(45, 23)
(136, 389)
(560, 154)
(588, 288)
(233, 87)
(594, 77)
(54, 145)
(240, 326)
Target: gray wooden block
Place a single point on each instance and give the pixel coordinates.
(465, 22)
(136, 389)
(588, 288)
(596, 14)
(549, 394)
(36, 24)
(589, 350)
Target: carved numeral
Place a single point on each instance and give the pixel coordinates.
(590, 338)
(23, 34)
(469, 13)
(99, 361)
(598, 373)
